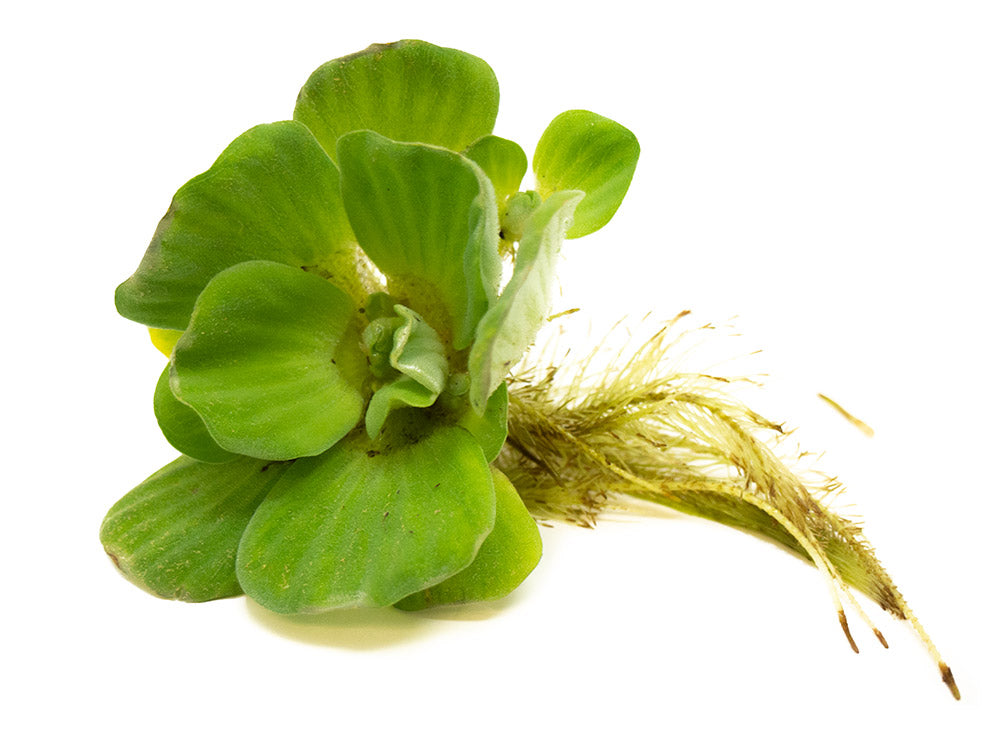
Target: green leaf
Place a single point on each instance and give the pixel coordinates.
(164, 340)
(400, 393)
(516, 213)
(512, 322)
(407, 91)
(503, 161)
(417, 351)
(427, 218)
(183, 427)
(488, 428)
(590, 153)
(273, 194)
(369, 522)
(176, 534)
(508, 555)
(415, 354)
(272, 362)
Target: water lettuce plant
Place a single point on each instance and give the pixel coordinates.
(346, 299)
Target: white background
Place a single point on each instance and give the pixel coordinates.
(830, 174)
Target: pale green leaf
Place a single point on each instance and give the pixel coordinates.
(590, 153)
(508, 555)
(427, 218)
(273, 194)
(176, 534)
(408, 91)
(402, 392)
(417, 352)
(272, 362)
(183, 427)
(369, 522)
(512, 322)
(503, 161)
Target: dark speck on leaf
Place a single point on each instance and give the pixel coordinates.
(372, 453)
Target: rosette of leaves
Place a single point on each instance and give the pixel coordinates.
(329, 293)
(341, 343)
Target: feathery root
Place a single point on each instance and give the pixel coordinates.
(580, 437)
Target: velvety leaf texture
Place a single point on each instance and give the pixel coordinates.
(587, 152)
(510, 325)
(408, 91)
(176, 534)
(508, 555)
(369, 522)
(427, 218)
(273, 194)
(183, 427)
(272, 362)
(503, 161)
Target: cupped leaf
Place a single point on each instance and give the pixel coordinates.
(407, 90)
(272, 362)
(369, 522)
(417, 352)
(516, 213)
(503, 161)
(183, 427)
(512, 322)
(176, 534)
(587, 152)
(402, 392)
(273, 194)
(427, 218)
(510, 552)
(164, 340)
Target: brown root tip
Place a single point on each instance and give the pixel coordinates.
(847, 631)
(882, 639)
(947, 678)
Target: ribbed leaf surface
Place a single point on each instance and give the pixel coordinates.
(508, 555)
(271, 362)
(510, 325)
(176, 534)
(590, 153)
(408, 91)
(368, 523)
(273, 194)
(427, 218)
